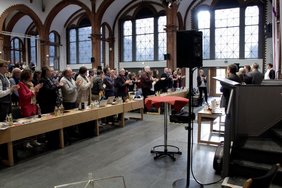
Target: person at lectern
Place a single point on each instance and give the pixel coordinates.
(231, 75)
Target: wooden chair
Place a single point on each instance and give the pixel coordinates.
(261, 181)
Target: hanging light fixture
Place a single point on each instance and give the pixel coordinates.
(169, 3)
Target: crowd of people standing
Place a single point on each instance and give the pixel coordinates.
(32, 91)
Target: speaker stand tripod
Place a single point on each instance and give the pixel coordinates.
(191, 183)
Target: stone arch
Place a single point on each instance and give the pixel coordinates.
(102, 9)
(57, 8)
(22, 11)
(26, 11)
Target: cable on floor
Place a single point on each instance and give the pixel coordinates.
(191, 154)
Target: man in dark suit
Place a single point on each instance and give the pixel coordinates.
(255, 75)
(146, 82)
(231, 75)
(164, 81)
(121, 84)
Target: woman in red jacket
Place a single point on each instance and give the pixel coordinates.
(27, 94)
(27, 100)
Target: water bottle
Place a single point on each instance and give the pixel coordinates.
(9, 119)
(38, 111)
(61, 109)
(56, 111)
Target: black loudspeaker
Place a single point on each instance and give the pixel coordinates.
(92, 59)
(166, 56)
(189, 49)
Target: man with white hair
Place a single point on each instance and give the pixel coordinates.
(121, 85)
(69, 89)
(146, 82)
(14, 80)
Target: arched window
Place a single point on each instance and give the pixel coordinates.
(79, 43)
(16, 50)
(33, 50)
(251, 31)
(230, 30)
(54, 48)
(143, 37)
(203, 18)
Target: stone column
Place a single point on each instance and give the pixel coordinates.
(111, 41)
(44, 48)
(171, 29)
(1, 47)
(96, 39)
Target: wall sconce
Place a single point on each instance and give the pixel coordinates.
(111, 49)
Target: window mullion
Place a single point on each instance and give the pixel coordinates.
(156, 38)
(212, 35)
(77, 46)
(242, 34)
(134, 47)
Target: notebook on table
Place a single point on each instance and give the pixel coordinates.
(111, 99)
(103, 103)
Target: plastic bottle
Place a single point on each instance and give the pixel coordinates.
(61, 109)
(9, 119)
(56, 111)
(38, 111)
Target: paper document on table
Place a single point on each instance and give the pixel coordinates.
(3, 126)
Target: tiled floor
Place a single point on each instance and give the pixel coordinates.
(119, 152)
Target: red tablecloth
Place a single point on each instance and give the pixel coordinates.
(177, 102)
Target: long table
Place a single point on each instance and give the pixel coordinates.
(27, 127)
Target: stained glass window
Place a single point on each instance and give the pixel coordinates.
(227, 28)
(204, 26)
(227, 33)
(84, 44)
(33, 50)
(80, 46)
(162, 37)
(16, 50)
(145, 39)
(127, 41)
(72, 46)
(53, 58)
(251, 31)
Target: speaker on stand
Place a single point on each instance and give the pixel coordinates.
(189, 55)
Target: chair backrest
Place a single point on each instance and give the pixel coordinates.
(262, 181)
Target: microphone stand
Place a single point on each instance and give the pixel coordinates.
(188, 183)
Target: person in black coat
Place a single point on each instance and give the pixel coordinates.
(255, 75)
(202, 86)
(146, 82)
(231, 75)
(48, 96)
(109, 83)
(121, 84)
